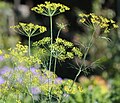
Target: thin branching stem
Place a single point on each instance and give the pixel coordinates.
(84, 58)
(59, 32)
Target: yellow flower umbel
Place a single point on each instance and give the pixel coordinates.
(50, 9)
(61, 49)
(94, 21)
(19, 56)
(29, 30)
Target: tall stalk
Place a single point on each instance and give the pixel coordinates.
(51, 36)
(84, 57)
(51, 32)
(29, 54)
(29, 51)
(50, 61)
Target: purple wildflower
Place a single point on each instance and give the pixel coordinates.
(58, 80)
(4, 70)
(1, 80)
(41, 79)
(21, 68)
(1, 58)
(33, 70)
(35, 90)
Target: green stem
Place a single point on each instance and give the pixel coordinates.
(84, 58)
(50, 61)
(29, 46)
(62, 27)
(32, 98)
(51, 36)
(51, 30)
(4, 100)
(59, 32)
(30, 94)
(29, 54)
(55, 65)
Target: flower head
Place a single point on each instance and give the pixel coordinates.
(5, 70)
(50, 9)
(58, 80)
(35, 90)
(19, 55)
(94, 21)
(29, 29)
(61, 25)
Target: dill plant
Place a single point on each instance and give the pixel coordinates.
(35, 73)
(50, 10)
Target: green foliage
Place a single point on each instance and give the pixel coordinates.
(4, 5)
(95, 90)
(115, 89)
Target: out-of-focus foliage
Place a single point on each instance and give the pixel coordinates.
(111, 50)
(108, 65)
(115, 89)
(7, 39)
(97, 8)
(95, 90)
(109, 44)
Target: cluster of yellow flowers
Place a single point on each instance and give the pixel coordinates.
(97, 21)
(72, 90)
(19, 55)
(77, 52)
(20, 49)
(50, 9)
(66, 43)
(44, 41)
(43, 80)
(18, 81)
(29, 29)
(59, 48)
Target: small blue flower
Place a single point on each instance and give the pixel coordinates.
(35, 90)
(1, 58)
(4, 70)
(58, 80)
(1, 80)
